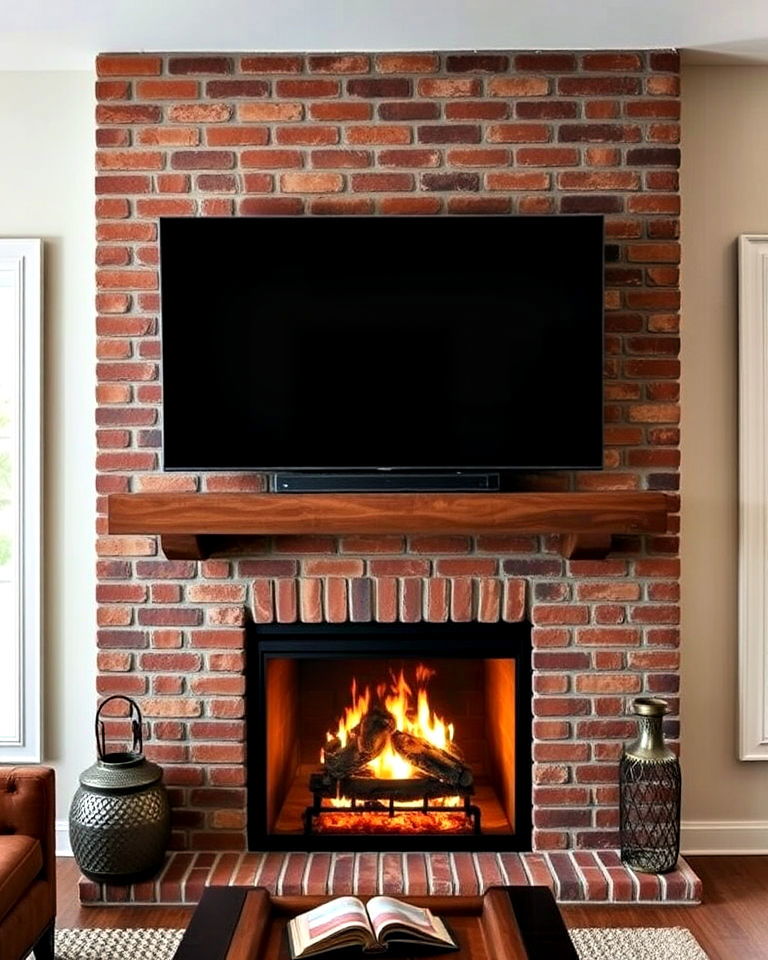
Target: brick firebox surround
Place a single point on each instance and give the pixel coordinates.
(419, 133)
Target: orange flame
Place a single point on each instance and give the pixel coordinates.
(416, 718)
(352, 715)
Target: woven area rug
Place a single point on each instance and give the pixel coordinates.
(640, 943)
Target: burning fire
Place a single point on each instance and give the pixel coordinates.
(412, 715)
(418, 720)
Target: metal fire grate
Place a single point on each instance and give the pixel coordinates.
(376, 795)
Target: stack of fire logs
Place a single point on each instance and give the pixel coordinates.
(377, 728)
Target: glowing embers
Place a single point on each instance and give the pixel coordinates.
(392, 766)
(369, 821)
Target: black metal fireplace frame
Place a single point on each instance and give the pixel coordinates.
(342, 641)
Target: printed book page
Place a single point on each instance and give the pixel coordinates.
(340, 922)
(390, 917)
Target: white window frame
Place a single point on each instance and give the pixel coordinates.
(24, 259)
(753, 497)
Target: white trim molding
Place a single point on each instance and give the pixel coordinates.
(21, 263)
(63, 845)
(753, 497)
(721, 837)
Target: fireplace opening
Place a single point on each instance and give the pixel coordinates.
(409, 736)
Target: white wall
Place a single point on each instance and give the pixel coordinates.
(46, 190)
(725, 193)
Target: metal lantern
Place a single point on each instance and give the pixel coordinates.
(650, 794)
(119, 821)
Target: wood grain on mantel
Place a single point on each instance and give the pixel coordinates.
(189, 523)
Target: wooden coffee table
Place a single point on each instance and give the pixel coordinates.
(506, 923)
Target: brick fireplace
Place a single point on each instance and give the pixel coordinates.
(435, 723)
(426, 133)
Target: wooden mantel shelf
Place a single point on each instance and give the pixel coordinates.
(194, 525)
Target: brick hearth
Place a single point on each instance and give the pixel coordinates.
(574, 877)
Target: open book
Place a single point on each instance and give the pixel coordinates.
(347, 921)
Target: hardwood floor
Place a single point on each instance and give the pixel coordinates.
(731, 924)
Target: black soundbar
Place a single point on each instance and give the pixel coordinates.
(384, 482)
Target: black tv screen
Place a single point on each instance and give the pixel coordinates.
(367, 343)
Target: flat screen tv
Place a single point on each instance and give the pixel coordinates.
(440, 343)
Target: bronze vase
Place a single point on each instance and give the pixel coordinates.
(650, 782)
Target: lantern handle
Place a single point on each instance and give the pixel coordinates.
(136, 727)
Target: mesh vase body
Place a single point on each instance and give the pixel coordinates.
(120, 821)
(120, 837)
(650, 782)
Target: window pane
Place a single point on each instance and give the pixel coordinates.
(10, 633)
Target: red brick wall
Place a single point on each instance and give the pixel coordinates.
(221, 135)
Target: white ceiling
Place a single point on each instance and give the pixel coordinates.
(67, 34)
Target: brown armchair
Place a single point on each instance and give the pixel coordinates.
(27, 862)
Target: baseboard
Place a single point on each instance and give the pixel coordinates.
(723, 836)
(63, 846)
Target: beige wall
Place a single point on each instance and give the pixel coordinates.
(46, 190)
(725, 193)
